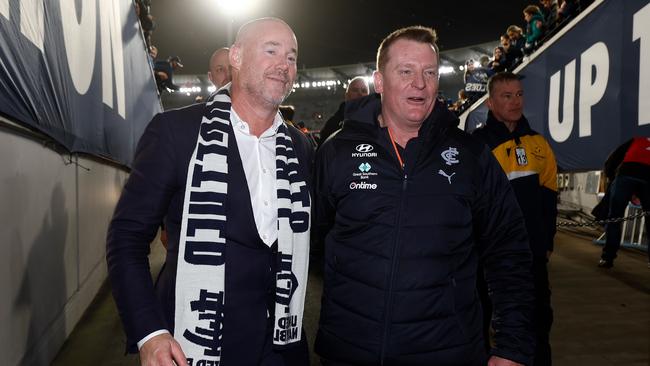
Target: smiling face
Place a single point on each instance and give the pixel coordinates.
(506, 101)
(408, 83)
(264, 62)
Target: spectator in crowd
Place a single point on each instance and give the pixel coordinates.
(516, 35)
(513, 54)
(357, 88)
(534, 27)
(407, 204)
(475, 78)
(153, 54)
(219, 68)
(164, 72)
(529, 162)
(499, 62)
(459, 104)
(568, 9)
(549, 11)
(628, 168)
(142, 8)
(233, 287)
(484, 61)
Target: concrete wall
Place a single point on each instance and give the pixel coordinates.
(55, 210)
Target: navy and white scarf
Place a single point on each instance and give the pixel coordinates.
(200, 277)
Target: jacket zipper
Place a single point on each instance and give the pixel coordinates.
(389, 298)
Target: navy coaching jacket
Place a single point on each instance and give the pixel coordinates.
(156, 190)
(402, 247)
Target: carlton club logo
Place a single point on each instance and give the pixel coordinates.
(449, 156)
(364, 151)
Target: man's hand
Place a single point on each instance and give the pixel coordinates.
(161, 350)
(498, 361)
(162, 75)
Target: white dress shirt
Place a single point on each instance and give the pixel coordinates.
(258, 159)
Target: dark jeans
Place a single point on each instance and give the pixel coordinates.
(623, 187)
(543, 315)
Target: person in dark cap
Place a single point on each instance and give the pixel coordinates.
(164, 72)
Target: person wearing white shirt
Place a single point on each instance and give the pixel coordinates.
(231, 180)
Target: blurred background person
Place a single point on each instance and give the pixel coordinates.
(628, 169)
(219, 68)
(513, 54)
(498, 62)
(516, 36)
(164, 72)
(534, 27)
(476, 79)
(357, 88)
(549, 12)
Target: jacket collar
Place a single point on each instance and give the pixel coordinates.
(522, 128)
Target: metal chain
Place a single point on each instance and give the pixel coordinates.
(602, 222)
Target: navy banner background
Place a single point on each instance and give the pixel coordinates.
(590, 90)
(77, 71)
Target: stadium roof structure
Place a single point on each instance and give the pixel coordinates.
(452, 61)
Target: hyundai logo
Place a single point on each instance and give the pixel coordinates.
(364, 148)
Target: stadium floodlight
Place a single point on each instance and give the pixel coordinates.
(234, 8)
(446, 70)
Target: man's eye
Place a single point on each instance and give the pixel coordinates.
(430, 74)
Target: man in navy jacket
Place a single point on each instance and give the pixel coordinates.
(408, 204)
(263, 61)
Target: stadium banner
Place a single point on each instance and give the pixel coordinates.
(589, 91)
(77, 71)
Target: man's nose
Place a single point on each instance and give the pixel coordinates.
(283, 65)
(418, 81)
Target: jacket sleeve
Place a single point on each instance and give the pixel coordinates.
(615, 159)
(324, 209)
(136, 219)
(548, 182)
(332, 124)
(502, 242)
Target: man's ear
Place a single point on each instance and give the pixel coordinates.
(378, 80)
(488, 103)
(234, 57)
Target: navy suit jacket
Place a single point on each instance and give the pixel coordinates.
(155, 192)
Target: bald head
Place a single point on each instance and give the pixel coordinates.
(358, 88)
(249, 31)
(219, 68)
(263, 60)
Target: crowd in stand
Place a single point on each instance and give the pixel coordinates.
(542, 21)
(163, 69)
